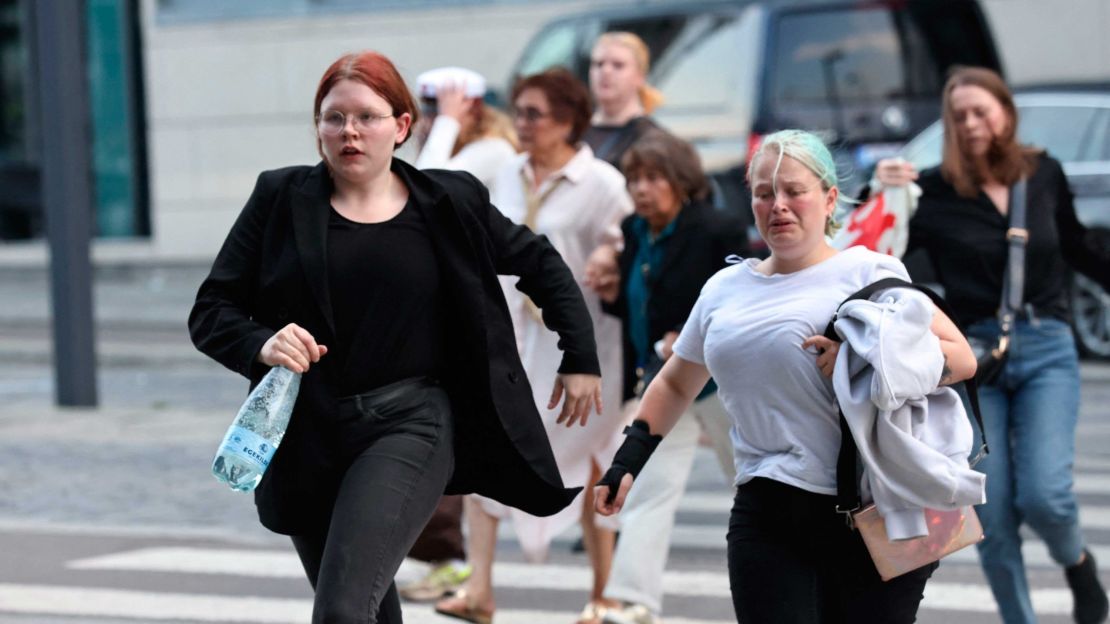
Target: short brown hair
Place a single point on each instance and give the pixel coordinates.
(568, 97)
(1006, 158)
(671, 157)
(375, 71)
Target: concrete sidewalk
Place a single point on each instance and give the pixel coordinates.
(140, 314)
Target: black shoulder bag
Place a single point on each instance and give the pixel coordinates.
(991, 354)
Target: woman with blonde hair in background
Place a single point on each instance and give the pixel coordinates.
(623, 98)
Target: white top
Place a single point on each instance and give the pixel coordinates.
(482, 158)
(587, 202)
(748, 328)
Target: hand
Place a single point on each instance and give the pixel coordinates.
(668, 344)
(603, 273)
(451, 101)
(583, 393)
(601, 496)
(826, 353)
(895, 172)
(292, 347)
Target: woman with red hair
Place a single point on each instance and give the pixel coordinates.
(379, 283)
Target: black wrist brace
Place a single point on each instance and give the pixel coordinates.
(637, 448)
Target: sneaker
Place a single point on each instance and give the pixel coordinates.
(1091, 604)
(441, 580)
(631, 613)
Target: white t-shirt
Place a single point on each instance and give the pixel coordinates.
(747, 329)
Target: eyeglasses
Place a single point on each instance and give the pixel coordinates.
(333, 122)
(528, 114)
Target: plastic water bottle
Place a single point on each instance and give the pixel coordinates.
(254, 435)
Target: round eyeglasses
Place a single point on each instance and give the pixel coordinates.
(333, 122)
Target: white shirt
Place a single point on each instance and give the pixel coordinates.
(583, 211)
(482, 158)
(747, 328)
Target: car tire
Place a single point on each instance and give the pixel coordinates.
(1090, 311)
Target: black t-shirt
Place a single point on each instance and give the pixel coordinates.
(609, 143)
(965, 239)
(384, 284)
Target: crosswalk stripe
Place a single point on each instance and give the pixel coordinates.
(277, 564)
(148, 606)
(978, 599)
(99, 602)
(551, 577)
(151, 605)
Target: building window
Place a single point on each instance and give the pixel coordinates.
(117, 150)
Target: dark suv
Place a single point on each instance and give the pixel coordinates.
(866, 75)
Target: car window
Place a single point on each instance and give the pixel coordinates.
(1098, 142)
(1062, 130)
(659, 32)
(556, 46)
(836, 55)
(701, 68)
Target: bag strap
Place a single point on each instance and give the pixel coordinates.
(1017, 236)
(847, 478)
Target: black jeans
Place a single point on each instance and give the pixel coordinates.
(793, 560)
(398, 443)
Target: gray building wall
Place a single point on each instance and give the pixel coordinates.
(228, 99)
(1052, 40)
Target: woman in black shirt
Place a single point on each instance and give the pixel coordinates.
(419, 387)
(1030, 409)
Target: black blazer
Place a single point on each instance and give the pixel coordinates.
(702, 238)
(271, 271)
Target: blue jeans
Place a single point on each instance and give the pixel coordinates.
(1030, 415)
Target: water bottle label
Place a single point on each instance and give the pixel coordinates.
(250, 446)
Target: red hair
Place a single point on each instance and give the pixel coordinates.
(375, 71)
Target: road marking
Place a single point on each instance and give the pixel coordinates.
(280, 564)
(714, 584)
(44, 599)
(148, 606)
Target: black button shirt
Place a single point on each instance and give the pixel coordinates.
(965, 239)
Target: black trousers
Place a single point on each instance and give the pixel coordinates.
(398, 442)
(793, 560)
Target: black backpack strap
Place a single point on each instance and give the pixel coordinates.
(847, 478)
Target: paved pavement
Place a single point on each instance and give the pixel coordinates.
(110, 516)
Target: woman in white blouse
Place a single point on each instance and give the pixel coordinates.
(560, 190)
